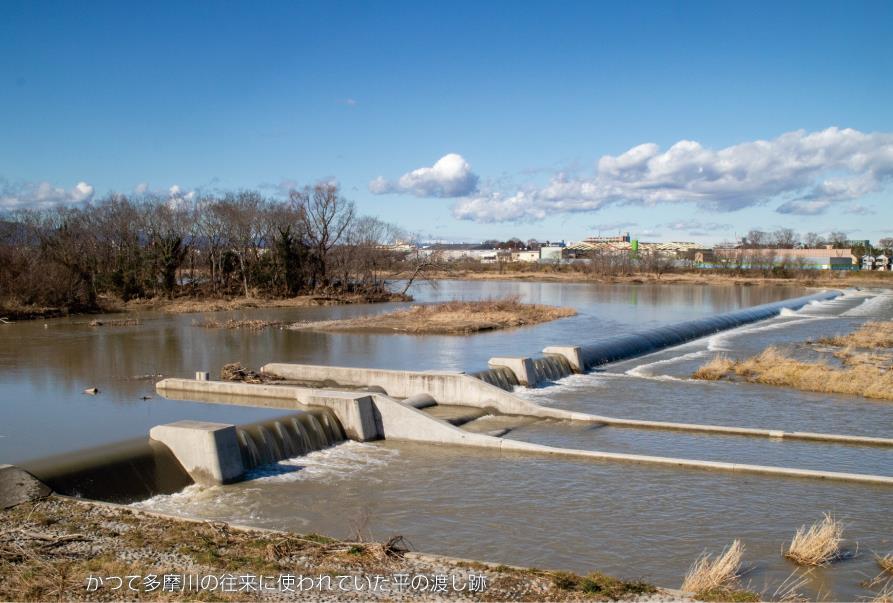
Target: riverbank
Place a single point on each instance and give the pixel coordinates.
(188, 305)
(450, 318)
(561, 274)
(67, 549)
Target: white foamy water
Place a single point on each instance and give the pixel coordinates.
(643, 370)
(342, 462)
(880, 306)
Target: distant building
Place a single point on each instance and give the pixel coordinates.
(615, 239)
(526, 256)
(825, 258)
(551, 253)
(880, 262)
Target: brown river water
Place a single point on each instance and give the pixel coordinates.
(629, 520)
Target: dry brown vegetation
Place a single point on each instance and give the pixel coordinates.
(708, 576)
(886, 562)
(450, 318)
(818, 544)
(875, 334)
(232, 323)
(773, 367)
(49, 548)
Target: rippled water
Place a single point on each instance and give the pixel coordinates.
(630, 520)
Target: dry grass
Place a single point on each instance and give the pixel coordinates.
(772, 367)
(717, 368)
(884, 595)
(450, 318)
(877, 334)
(708, 575)
(819, 544)
(190, 305)
(49, 548)
(253, 325)
(886, 563)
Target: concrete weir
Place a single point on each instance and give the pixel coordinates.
(394, 419)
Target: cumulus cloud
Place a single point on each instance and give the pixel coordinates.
(23, 195)
(451, 176)
(805, 172)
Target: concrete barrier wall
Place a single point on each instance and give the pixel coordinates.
(443, 386)
(395, 420)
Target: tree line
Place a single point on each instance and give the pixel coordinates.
(238, 243)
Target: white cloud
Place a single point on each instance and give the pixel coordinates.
(141, 189)
(695, 227)
(805, 172)
(451, 176)
(23, 195)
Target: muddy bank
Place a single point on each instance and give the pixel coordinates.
(187, 305)
(67, 549)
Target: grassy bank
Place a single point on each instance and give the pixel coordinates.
(451, 318)
(50, 549)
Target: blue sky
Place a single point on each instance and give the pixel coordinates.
(533, 106)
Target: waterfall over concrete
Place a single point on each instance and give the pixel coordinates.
(621, 347)
(123, 472)
(500, 376)
(270, 441)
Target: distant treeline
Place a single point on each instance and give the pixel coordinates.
(238, 243)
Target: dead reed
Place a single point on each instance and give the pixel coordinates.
(819, 544)
(708, 574)
(875, 334)
(449, 318)
(773, 367)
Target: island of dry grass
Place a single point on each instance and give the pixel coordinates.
(861, 375)
(450, 318)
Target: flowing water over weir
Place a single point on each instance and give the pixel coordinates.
(122, 472)
(645, 342)
(137, 469)
(499, 376)
(551, 368)
(267, 442)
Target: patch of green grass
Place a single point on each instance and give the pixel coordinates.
(597, 583)
(565, 580)
(356, 550)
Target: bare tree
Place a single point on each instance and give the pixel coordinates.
(756, 239)
(327, 216)
(838, 239)
(813, 240)
(785, 238)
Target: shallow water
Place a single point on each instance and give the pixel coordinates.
(630, 520)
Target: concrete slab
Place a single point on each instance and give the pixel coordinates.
(18, 486)
(523, 368)
(209, 452)
(573, 354)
